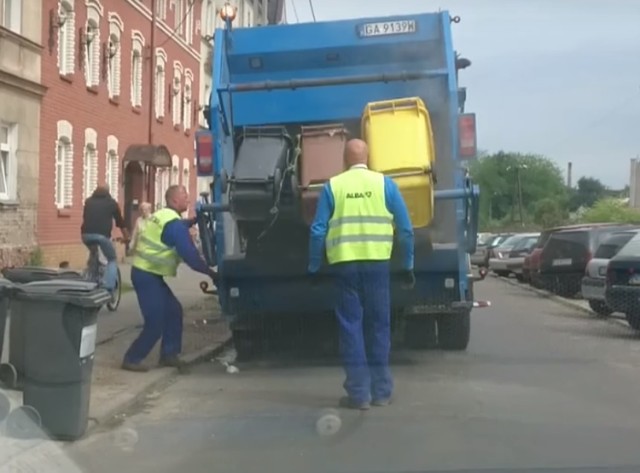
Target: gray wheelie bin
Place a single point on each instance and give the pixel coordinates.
(60, 326)
(23, 275)
(7, 373)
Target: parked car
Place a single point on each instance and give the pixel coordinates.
(531, 265)
(518, 254)
(478, 258)
(566, 254)
(622, 292)
(501, 262)
(594, 280)
(484, 253)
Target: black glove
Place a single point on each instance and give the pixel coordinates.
(408, 279)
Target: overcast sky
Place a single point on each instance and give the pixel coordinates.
(555, 77)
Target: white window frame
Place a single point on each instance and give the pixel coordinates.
(137, 68)
(11, 15)
(178, 16)
(67, 37)
(63, 186)
(175, 170)
(92, 48)
(186, 174)
(160, 82)
(9, 169)
(112, 166)
(161, 9)
(189, 21)
(176, 93)
(114, 64)
(90, 162)
(187, 109)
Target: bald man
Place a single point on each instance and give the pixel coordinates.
(163, 243)
(354, 226)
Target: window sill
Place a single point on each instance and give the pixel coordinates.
(114, 100)
(136, 110)
(8, 204)
(92, 89)
(67, 78)
(64, 213)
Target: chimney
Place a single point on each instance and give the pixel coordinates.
(569, 166)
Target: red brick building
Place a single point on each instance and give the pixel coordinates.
(120, 109)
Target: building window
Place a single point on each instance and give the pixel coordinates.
(136, 69)
(160, 90)
(187, 108)
(66, 37)
(8, 161)
(176, 93)
(188, 22)
(178, 16)
(162, 184)
(64, 165)
(209, 19)
(175, 170)
(161, 9)
(186, 174)
(11, 15)
(90, 162)
(114, 47)
(113, 166)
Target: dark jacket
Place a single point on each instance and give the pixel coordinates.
(100, 210)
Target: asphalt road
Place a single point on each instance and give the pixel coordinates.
(541, 386)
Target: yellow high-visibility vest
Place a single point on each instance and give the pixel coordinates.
(152, 255)
(361, 228)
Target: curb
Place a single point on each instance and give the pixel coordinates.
(168, 374)
(560, 300)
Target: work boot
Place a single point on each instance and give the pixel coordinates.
(135, 367)
(381, 402)
(349, 403)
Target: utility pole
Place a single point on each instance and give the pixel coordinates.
(520, 196)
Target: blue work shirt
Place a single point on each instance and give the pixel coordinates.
(395, 205)
(176, 235)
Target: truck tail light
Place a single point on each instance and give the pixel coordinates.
(467, 136)
(204, 153)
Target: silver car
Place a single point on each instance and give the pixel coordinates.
(593, 282)
(502, 262)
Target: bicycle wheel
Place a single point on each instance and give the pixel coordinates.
(113, 304)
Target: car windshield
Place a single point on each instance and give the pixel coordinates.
(526, 242)
(631, 249)
(510, 241)
(610, 247)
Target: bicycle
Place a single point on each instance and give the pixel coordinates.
(94, 272)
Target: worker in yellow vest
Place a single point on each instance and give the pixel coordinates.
(354, 226)
(162, 244)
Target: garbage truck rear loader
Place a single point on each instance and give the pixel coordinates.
(285, 100)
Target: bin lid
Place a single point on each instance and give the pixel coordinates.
(72, 291)
(26, 274)
(5, 284)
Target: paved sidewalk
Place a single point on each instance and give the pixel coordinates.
(114, 390)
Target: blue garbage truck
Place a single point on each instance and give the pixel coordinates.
(284, 100)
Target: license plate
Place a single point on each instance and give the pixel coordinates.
(635, 280)
(562, 262)
(385, 28)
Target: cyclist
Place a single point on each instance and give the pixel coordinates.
(100, 210)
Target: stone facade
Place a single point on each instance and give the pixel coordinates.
(21, 94)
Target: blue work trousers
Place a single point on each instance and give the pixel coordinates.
(363, 311)
(108, 250)
(162, 315)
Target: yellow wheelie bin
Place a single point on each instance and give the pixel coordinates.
(401, 146)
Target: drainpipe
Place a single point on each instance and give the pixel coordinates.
(152, 84)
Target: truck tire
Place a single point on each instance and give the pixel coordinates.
(454, 330)
(420, 332)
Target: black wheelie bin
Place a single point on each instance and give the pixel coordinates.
(5, 369)
(14, 366)
(60, 326)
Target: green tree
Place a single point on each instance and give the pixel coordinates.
(498, 176)
(611, 210)
(550, 213)
(588, 192)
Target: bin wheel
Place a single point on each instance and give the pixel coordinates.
(5, 406)
(8, 375)
(24, 422)
(113, 304)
